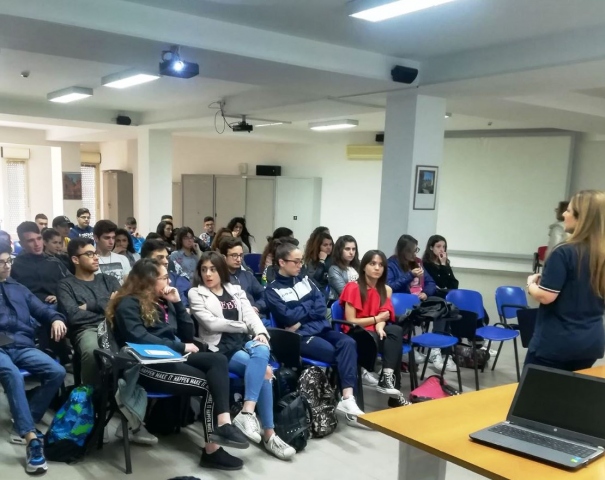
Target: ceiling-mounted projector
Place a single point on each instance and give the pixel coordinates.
(242, 126)
(172, 65)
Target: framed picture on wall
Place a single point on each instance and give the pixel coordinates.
(72, 186)
(425, 188)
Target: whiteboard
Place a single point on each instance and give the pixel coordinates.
(498, 194)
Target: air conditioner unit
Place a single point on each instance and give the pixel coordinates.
(364, 152)
(14, 153)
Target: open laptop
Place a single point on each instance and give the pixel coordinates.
(556, 417)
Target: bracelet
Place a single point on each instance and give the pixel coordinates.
(375, 322)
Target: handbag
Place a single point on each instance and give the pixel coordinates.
(433, 388)
(463, 356)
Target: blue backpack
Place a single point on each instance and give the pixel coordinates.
(66, 439)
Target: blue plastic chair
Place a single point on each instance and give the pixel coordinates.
(508, 301)
(402, 302)
(252, 260)
(472, 301)
(17, 247)
(434, 340)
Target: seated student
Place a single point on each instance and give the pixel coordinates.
(238, 229)
(166, 232)
(407, 275)
(222, 233)
(437, 265)
(187, 252)
(367, 303)
(157, 250)
(233, 252)
(131, 227)
(298, 306)
(53, 246)
(314, 234)
(17, 306)
(63, 225)
(42, 221)
(318, 261)
(345, 264)
(231, 327)
(110, 263)
(124, 246)
(147, 310)
(207, 236)
(83, 228)
(271, 270)
(82, 298)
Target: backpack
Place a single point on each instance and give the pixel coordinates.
(293, 420)
(433, 388)
(67, 437)
(313, 384)
(432, 309)
(463, 356)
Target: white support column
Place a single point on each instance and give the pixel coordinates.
(414, 131)
(153, 178)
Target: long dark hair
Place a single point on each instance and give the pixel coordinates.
(160, 231)
(140, 283)
(339, 247)
(406, 248)
(382, 281)
(311, 242)
(124, 232)
(245, 235)
(219, 263)
(218, 236)
(429, 256)
(314, 247)
(182, 233)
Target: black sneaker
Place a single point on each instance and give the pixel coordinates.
(229, 435)
(400, 401)
(220, 460)
(386, 384)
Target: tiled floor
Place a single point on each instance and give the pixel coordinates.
(349, 453)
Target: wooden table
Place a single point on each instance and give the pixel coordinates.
(437, 432)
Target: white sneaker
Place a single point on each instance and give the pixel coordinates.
(451, 365)
(435, 353)
(348, 406)
(278, 448)
(248, 424)
(419, 357)
(368, 379)
(437, 363)
(141, 436)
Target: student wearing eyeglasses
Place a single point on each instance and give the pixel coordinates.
(82, 298)
(187, 252)
(83, 228)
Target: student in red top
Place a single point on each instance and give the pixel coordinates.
(367, 303)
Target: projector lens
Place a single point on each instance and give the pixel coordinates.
(178, 65)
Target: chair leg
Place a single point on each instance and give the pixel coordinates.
(489, 345)
(360, 402)
(412, 370)
(517, 359)
(102, 413)
(497, 356)
(476, 368)
(459, 378)
(426, 362)
(126, 444)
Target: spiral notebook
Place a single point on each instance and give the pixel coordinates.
(148, 354)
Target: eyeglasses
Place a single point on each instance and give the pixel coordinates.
(85, 217)
(417, 250)
(236, 256)
(295, 262)
(6, 263)
(88, 254)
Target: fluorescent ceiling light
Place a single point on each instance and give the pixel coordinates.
(269, 124)
(333, 125)
(127, 79)
(70, 94)
(377, 11)
(448, 114)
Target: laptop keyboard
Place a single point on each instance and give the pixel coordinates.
(543, 441)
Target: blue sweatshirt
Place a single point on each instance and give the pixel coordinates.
(400, 281)
(293, 300)
(76, 232)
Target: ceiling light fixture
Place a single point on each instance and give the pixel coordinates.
(70, 94)
(129, 78)
(379, 10)
(333, 125)
(269, 124)
(448, 114)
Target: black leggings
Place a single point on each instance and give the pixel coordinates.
(391, 348)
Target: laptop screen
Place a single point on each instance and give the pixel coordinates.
(568, 401)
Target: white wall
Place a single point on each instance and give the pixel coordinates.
(589, 166)
(39, 173)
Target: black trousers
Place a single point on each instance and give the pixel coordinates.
(390, 348)
(570, 366)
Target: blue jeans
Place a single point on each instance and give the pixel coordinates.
(38, 363)
(251, 363)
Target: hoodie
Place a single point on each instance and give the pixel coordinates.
(39, 273)
(77, 232)
(293, 300)
(401, 281)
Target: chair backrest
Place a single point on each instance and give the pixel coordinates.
(253, 261)
(465, 327)
(402, 302)
(510, 296)
(337, 311)
(468, 300)
(285, 347)
(542, 253)
(527, 324)
(17, 247)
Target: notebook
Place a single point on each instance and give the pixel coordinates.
(555, 417)
(149, 354)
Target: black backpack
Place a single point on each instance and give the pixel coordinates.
(293, 420)
(313, 384)
(432, 309)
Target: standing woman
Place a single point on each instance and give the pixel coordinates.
(187, 252)
(317, 259)
(238, 229)
(367, 303)
(231, 328)
(166, 231)
(345, 265)
(405, 273)
(125, 246)
(437, 265)
(147, 310)
(569, 329)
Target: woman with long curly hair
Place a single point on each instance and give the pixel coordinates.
(317, 259)
(147, 310)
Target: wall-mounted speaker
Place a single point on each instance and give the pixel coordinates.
(268, 170)
(123, 120)
(402, 74)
